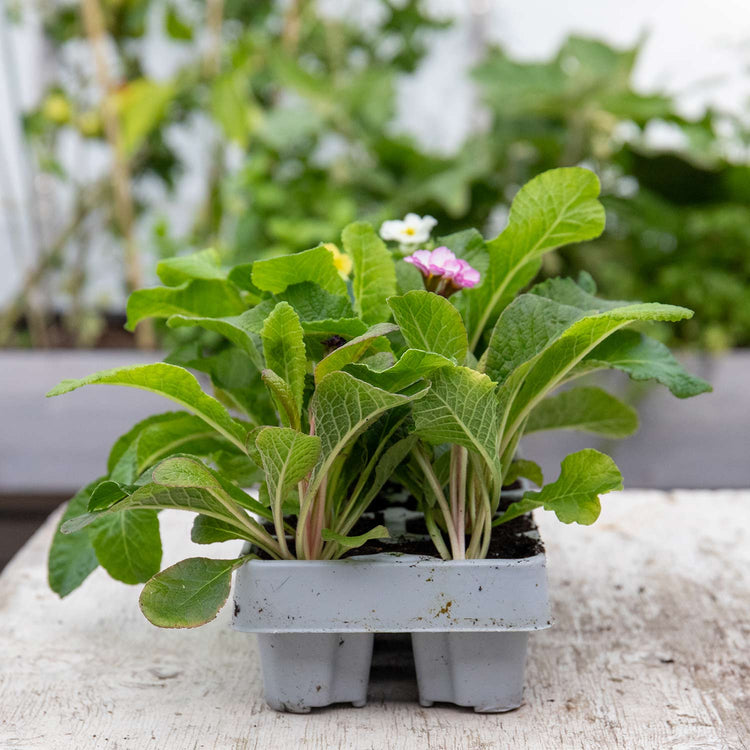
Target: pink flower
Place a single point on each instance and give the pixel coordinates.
(444, 273)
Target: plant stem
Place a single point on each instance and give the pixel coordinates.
(438, 492)
(459, 462)
(435, 535)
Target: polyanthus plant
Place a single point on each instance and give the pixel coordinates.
(425, 370)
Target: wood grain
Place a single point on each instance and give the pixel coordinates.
(651, 650)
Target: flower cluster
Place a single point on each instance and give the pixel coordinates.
(443, 272)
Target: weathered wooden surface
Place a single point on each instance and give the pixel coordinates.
(651, 650)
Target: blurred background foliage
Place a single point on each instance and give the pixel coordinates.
(302, 105)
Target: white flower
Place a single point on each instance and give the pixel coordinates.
(413, 230)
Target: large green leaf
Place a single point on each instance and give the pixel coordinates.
(574, 497)
(374, 274)
(554, 209)
(210, 298)
(205, 264)
(549, 368)
(413, 365)
(312, 302)
(276, 274)
(188, 594)
(288, 457)
(430, 322)
(588, 409)
(461, 408)
(342, 407)
(354, 350)
(644, 358)
(128, 545)
(71, 556)
(284, 351)
(208, 530)
(158, 437)
(173, 382)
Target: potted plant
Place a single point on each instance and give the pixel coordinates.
(418, 375)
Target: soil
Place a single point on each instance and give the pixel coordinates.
(509, 542)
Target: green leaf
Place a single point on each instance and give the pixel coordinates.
(524, 329)
(353, 350)
(350, 542)
(173, 382)
(288, 457)
(207, 298)
(389, 462)
(232, 106)
(317, 265)
(521, 467)
(644, 358)
(342, 407)
(461, 408)
(312, 302)
(208, 530)
(284, 351)
(188, 472)
(574, 497)
(347, 328)
(188, 594)
(547, 369)
(242, 330)
(156, 438)
(430, 323)
(588, 409)
(374, 273)
(205, 264)
(128, 545)
(107, 493)
(554, 209)
(71, 557)
(284, 398)
(411, 367)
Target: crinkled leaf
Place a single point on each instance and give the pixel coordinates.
(412, 366)
(644, 358)
(188, 594)
(461, 408)
(350, 542)
(171, 381)
(548, 368)
(284, 350)
(374, 274)
(208, 298)
(128, 545)
(312, 302)
(317, 265)
(574, 497)
(589, 409)
(71, 557)
(342, 407)
(554, 209)
(353, 350)
(284, 398)
(430, 323)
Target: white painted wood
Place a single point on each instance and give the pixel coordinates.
(651, 650)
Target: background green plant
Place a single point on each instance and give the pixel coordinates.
(303, 107)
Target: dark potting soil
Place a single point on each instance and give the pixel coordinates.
(510, 541)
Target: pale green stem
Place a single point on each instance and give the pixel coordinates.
(435, 535)
(438, 492)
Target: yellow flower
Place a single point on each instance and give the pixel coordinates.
(341, 260)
